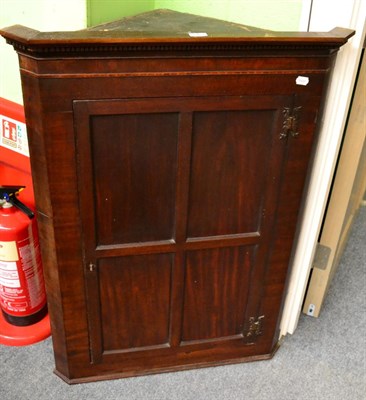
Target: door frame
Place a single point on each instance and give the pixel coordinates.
(347, 14)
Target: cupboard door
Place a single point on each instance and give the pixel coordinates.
(178, 201)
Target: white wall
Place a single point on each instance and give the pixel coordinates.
(46, 15)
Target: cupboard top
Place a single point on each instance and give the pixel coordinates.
(167, 31)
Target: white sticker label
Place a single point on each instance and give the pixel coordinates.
(197, 34)
(302, 80)
(13, 135)
(9, 276)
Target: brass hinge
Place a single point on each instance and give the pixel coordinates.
(254, 328)
(290, 122)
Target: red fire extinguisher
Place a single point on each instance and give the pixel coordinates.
(22, 291)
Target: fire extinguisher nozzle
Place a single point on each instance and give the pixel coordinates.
(9, 193)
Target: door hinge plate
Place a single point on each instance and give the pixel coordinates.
(290, 122)
(254, 328)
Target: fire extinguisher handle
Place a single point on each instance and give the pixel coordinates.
(22, 207)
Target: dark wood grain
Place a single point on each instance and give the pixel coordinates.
(216, 289)
(137, 151)
(137, 289)
(227, 181)
(168, 200)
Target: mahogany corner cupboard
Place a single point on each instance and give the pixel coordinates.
(169, 155)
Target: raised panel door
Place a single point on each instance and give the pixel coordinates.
(178, 203)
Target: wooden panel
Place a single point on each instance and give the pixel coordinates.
(230, 152)
(216, 289)
(124, 66)
(227, 177)
(137, 290)
(128, 152)
(231, 263)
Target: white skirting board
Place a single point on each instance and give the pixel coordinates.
(325, 15)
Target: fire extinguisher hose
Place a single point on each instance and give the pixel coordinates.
(9, 193)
